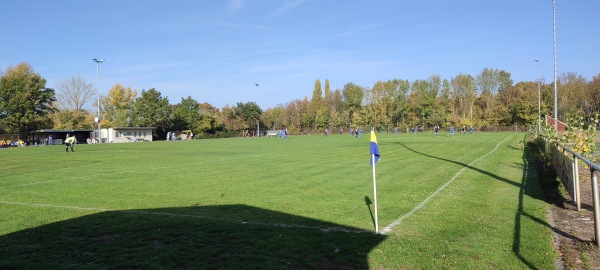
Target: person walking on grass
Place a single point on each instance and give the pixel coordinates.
(70, 141)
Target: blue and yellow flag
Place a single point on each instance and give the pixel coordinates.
(374, 148)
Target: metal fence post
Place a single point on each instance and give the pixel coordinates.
(576, 182)
(596, 205)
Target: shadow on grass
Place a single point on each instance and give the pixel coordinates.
(368, 202)
(508, 181)
(529, 186)
(196, 237)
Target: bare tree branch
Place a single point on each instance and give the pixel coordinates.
(74, 93)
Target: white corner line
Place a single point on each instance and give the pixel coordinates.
(435, 193)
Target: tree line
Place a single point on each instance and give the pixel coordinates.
(490, 100)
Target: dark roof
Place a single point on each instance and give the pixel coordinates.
(132, 128)
(61, 130)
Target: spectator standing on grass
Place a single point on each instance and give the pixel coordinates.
(452, 131)
(50, 139)
(69, 142)
(169, 136)
(471, 130)
(436, 129)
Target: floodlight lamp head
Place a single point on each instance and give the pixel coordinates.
(98, 60)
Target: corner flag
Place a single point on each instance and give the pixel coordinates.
(374, 159)
(374, 148)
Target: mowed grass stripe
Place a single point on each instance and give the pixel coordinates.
(432, 196)
(241, 161)
(491, 217)
(312, 179)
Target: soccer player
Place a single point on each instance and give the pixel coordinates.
(70, 141)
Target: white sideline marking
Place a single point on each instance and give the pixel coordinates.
(283, 225)
(57, 206)
(435, 193)
(34, 183)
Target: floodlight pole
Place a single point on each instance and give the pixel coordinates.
(555, 86)
(539, 97)
(98, 62)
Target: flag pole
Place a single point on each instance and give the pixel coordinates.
(375, 194)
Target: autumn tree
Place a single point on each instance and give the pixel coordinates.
(232, 120)
(72, 96)
(272, 118)
(521, 103)
(571, 94)
(25, 102)
(328, 105)
(400, 98)
(116, 107)
(293, 113)
(464, 95)
(353, 96)
(209, 121)
(377, 104)
(313, 117)
(76, 119)
(593, 96)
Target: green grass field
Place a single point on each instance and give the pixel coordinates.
(468, 202)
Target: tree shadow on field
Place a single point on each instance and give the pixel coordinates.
(196, 237)
(528, 186)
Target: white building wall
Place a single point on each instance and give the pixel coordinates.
(129, 134)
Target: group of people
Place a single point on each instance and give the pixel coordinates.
(283, 133)
(49, 140)
(171, 136)
(357, 132)
(5, 144)
(463, 130)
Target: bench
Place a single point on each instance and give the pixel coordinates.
(272, 133)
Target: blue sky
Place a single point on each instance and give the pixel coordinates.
(217, 50)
